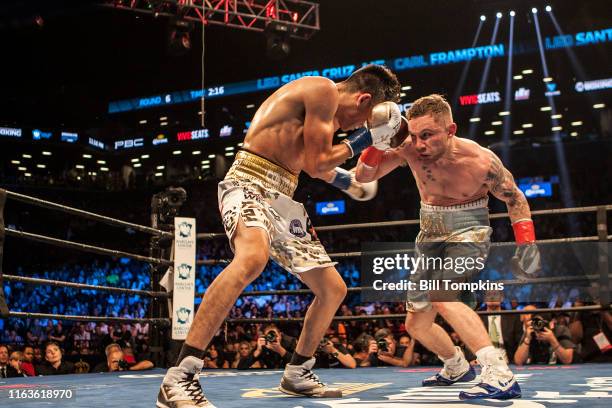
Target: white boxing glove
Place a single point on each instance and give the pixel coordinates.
(345, 181)
(384, 123)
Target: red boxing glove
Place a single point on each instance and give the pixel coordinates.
(371, 156)
(524, 233)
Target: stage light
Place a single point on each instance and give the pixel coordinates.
(577, 123)
(250, 106)
(548, 8)
(159, 174)
(15, 162)
(211, 156)
(527, 71)
(206, 166)
(496, 123)
(143, 122)
(163, 119)
(596, 106)
(545, 108)
(557, 116)
(80, 166)
(499, 15)
(179, 39)
(136, 165)
(489, 132)
(196, 152)
(136, 160)
(527, 125)
(406, 88)
(512, 13)
(229, 154)
(534, 10)
(22, 168)
(87, 156)
(557, 128)
(519, 132)
(504, 113)
(160, 167)
(205, 161)
(483, 17)
(46, 153)
(574, 134)
(277, 40)
(27, 174)
(41, 166)
(474, 119)
(229, 148)
(26, 156)
(517, 77)
(547, 79)
(176, 152)
(101, 162)
(144, 156)
(103, 168)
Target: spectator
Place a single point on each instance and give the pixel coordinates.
(28, 361)
(115, 361)
(244, 358)
(57, 335)
(332, 354)
(504, 330)
(593, 332)
(389, 353)
(544, 342)
(6, 369)
(15, 360)
(54, 363)
(274, 349)
(214, 359)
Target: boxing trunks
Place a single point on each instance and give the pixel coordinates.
(259, 193)
(452, 234)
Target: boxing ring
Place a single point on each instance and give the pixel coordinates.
(543, 386)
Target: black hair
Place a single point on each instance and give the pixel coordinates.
(377, 80)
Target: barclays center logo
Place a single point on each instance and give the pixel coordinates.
(184, 271)
(185, 229)
(182, 315)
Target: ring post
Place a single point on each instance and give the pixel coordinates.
(4, 311)
(604, 264)
(164, 207)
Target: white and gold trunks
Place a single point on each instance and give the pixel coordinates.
(259, 192)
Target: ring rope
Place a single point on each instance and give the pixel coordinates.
(402, 316)
(85, 214)
(50, 282)
(593, 208)
(84, 247)
(163, 322)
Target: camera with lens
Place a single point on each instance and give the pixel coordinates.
(175, 196)
(323, 342)
(123, 365)
(538, 323)
(382, 345)
(271, 336)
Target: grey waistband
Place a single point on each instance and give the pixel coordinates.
(446, 222)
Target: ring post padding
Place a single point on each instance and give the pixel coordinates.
(603, 261)
(4, 311)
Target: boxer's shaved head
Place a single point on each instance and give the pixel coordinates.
(434, 105)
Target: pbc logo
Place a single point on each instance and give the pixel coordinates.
(184, 271)
(185, 229)
(182, 315)
(296, 228)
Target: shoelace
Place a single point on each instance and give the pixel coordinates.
(309, 375)
(192, 387)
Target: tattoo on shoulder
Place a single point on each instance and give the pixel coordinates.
(500, 182)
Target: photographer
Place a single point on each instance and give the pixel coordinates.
(544, 342)
(332, 354)
(115, 361)
(274, 349)
(389, 352)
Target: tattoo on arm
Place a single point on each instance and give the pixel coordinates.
(501, 184)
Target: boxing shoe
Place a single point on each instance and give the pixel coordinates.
(301, 381)
(181, 386)
(494, 384)
(450, 374)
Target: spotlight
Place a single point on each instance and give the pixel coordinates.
(277, 40)
(534, 10)
(512, 13)
(483, 17)
(179, 38)
(548, 8)
(498, 15)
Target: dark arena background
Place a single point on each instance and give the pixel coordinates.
(118, 115)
